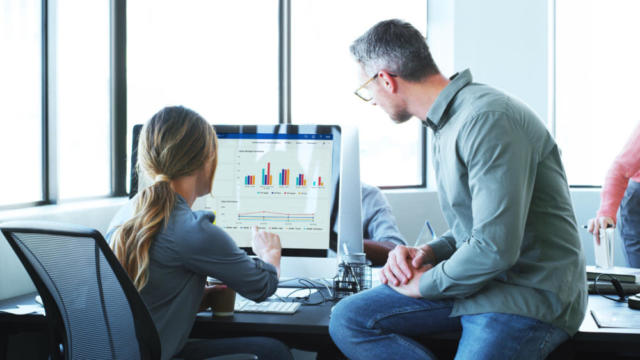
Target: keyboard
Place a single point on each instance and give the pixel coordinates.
(270, 307)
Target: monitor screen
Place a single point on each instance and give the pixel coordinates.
(281, 178)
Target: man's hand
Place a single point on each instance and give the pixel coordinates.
(403, 261)
(412, 288)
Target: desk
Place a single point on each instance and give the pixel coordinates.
(309, 326)
(591, 338)
(308, 329)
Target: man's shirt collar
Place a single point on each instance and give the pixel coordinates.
(436, 115)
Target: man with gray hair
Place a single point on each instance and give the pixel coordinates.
(510, 272)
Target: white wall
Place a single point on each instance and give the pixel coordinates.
(14, 280)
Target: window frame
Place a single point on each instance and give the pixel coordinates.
(118, 103)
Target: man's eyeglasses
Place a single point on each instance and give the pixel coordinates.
(363, 92)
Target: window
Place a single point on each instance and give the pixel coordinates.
(21, 101)
(63, 87)
(217, 58)
(596, 83)
(324, 76)
(81, 97)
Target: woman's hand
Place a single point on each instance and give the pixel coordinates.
(600, 222)
(267, 247)
(265, 244)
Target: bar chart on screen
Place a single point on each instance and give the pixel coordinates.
(280, 185)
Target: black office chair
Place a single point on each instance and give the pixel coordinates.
(93, 309)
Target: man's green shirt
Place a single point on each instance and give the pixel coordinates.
(513, 244)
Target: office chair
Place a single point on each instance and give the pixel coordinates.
(92, 307)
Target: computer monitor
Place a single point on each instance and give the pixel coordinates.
(350, 232)
(282, 178)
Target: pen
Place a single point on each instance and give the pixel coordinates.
(433, 233)
(424, 228)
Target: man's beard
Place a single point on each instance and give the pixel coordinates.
(400, 116)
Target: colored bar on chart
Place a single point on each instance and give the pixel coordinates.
(304, 182)
(264, 178)
(269, 174)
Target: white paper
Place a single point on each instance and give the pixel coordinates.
(293, 292)
(604, 251)
(25, 309)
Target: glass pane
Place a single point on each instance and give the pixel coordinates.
(217, 58)
(20, 101)
(596, 79)
(82, 97)
(324, 77)
(214, 57)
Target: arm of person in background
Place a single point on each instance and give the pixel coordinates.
(378, 251)
(625, 166)
(381, 233)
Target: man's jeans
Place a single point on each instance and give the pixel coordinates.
(379, 324)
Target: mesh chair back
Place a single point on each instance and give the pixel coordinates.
(93, 309)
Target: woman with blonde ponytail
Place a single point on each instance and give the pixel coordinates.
(168, 250)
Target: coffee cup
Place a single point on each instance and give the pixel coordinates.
(223, 301)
